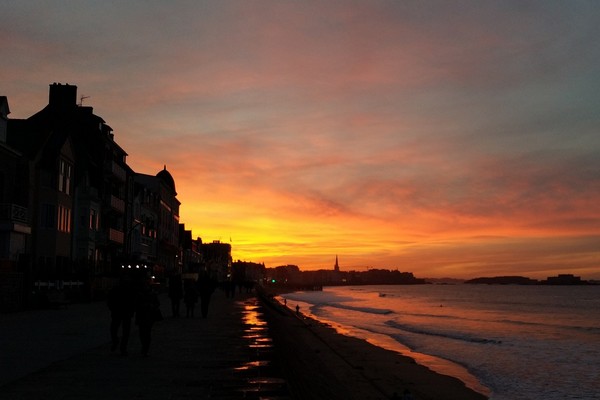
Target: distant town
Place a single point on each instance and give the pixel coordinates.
(292, 277)
(561, 279)
(74, 216)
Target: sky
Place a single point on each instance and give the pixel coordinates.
(444, 138)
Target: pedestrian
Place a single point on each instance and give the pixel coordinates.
(175, 293)
(121, 303)
(146, 314)
(206, 287)
(190, 298)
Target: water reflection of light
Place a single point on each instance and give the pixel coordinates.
(257, 367)
(251, 316)
(250, 365)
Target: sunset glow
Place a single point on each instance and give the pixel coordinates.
(449, 139)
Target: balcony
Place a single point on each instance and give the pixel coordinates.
(117, 204)
(116, 236)
(14, 218)
(116, 170)
(13, 213)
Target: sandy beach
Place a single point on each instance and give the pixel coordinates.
(320, 363)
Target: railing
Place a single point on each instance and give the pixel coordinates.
(116, 236)
(13, 213)
(117, 204)
(117, 170)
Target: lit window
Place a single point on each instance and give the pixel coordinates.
(64, 219)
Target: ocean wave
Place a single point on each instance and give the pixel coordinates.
(462, 336)
(366, 310)
(587, 329)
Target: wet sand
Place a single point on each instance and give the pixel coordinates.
(320, 363)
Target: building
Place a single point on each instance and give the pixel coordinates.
(190, 254)
(142, 237)
(161, 211)
(15, 228)
(72, 211)
(78, 180)
(217, 260)
(564, 279)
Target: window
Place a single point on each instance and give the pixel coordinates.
(48, 216)
(64, 219)
(93, 219)
(64, 177)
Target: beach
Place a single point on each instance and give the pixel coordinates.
(320, 363)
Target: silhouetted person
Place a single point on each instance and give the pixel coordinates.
(147, 309)
(190, 298)
(121, 302)
(248, 285)
(229, 288)
(175, 293)
(206, 287)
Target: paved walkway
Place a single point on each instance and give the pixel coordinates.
(65, 354)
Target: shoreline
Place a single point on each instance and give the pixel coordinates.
(437, 365)
(322, 363)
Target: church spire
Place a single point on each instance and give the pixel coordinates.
(336, 267)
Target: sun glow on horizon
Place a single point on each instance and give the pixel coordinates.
(447, 141)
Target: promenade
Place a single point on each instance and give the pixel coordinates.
(65, 354)
(245, 349)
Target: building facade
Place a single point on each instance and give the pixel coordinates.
(72, 211)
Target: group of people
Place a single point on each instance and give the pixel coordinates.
(191, 291)
(133, 296)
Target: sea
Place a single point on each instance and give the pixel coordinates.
(509, 342)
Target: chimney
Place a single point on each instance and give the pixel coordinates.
(63, 96)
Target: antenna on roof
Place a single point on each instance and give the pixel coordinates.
(81, 99)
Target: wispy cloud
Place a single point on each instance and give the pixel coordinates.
(445, 138)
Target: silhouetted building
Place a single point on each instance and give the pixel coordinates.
(15, 229)
(142, 237)
(217, 260)
(564, 279)
(161, 188)
(190, 253)
(78, 179)
(246, 271)
(72, 211)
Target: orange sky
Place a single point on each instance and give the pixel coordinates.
(447, 139)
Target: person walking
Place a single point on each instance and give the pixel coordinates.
(175, 293)
(206, 287)
(121, 303)
(190, 298)
(146, 314)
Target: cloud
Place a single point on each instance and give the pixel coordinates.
(449, 138)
